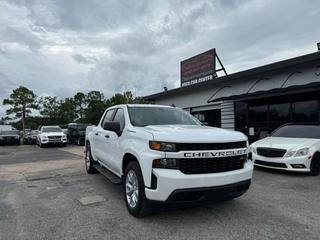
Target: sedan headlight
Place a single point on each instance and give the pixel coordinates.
(302, 152)
(253, 149)
(162, 146)
(289, 154)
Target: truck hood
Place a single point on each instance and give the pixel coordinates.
(285, 143)
(193, 134)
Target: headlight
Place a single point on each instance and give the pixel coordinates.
(44, 137)
(162, 146)
(302, 152)
(169, 163)
(289, 154)
(253, 149)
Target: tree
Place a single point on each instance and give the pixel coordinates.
(21, 100)
(66, 111)
(80, 103)
(49, 108)
(95, 107)
(124, 98)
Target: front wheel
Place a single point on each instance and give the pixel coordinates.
(136, 201)
(89, 161)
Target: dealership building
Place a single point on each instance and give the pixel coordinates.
(254, 101)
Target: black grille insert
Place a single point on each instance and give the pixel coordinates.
(270, 164)
(210, 146)
(271, 152)
(210, 165)
(54, 137)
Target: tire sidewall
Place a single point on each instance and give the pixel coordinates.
(315, 165)
(138, 209)
(91, 169)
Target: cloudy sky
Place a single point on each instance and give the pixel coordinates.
(61, 47)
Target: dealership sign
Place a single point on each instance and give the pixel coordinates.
(199, 68)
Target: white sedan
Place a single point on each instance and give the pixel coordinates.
(291, 148)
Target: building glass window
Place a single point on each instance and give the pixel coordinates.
(258, 115)
(241, 118)
(279, 114)
(306, 111)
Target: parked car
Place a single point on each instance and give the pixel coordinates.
(164, 154)
(291, 147)
(9, 137)
(51, 135)
(77, 132)
(31, 137)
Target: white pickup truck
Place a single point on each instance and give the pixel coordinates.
(164, 154)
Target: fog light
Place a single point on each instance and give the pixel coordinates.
(298, 165)
(170, 163)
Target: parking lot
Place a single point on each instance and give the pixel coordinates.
(46, 194)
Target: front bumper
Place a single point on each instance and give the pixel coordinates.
(9, 140)
(53, 141)
(169, 181)
(286, 164)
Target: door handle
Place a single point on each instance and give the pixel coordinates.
(107, 136)
(97, 134)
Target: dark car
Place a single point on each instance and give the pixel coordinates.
(9, 137)
(31, 137)
(77, 132)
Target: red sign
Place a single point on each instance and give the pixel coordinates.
(198, 69)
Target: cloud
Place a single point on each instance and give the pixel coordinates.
(61, 47)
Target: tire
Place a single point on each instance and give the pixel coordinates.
(135, 198)
(89, 161)
(315, 165)
(41, 145)
(64, 145)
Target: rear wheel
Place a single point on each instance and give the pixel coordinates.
(136, 201)
(315, 165)
(89, 161)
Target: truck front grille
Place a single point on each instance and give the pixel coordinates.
(271, 152)
(210, 146)
(211, 165)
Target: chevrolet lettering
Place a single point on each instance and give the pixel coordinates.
(215, 154)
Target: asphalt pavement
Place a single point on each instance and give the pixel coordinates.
(46, 194)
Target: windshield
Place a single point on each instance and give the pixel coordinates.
(82, 127)
(12, 132)
(51, 129)
(144, 116)
(298, 131)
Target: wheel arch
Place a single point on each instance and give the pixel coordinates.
(127, 158)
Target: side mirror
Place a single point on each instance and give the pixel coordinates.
(112, 126)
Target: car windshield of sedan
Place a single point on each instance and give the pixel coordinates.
(298, 131)
(144, 116)
(52, 129)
